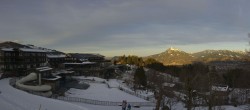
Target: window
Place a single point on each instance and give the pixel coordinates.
(7, 54)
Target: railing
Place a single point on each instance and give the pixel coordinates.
(104, 103)
(137, 95)
(148, 98)
(91, 101)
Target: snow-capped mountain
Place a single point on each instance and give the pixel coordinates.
(219, 55)
(174, 56)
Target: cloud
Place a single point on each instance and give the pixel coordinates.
(113, 24)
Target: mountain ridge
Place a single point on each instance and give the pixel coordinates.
(173, 56)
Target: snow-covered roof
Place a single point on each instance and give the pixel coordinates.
(52, 79)
(56, 56)
(31, 50)
(168, 84)
(7, 49)
(63, 72)
(43, 69)
(220, 88)
(24, 49)
(41, 48)
(83, 63)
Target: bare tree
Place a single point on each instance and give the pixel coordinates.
(170, 102)
(155, 83)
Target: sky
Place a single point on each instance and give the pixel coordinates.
(130, 27)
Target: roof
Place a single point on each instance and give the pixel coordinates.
(83, 63)
(23, 49)
(56, 55)
(31, 50)
(9, 44)
(7, 49)
(85, 56)
(41, 69)
(63, 72)
(220, 88)
(52, 79)
(168, 84)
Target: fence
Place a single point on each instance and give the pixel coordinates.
(138, 95)
(104, 103)
(90, 101)
(121, 88)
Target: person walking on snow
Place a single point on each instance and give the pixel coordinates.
(129, 107)
(124, 104)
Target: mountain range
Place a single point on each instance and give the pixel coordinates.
(174, 56)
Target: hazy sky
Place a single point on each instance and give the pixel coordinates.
(117, 27)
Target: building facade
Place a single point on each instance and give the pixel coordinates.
(20, 59)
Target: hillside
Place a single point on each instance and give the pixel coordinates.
(173, 57)
(177, 57)
(219, 55)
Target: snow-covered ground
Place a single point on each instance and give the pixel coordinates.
(92, 79)
(98, 107)
(100, 91)
(113, 83)
(14, 99)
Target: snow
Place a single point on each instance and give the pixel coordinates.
(43, 69)
(56, 56)
(225, 107)
(97, 107)
(7, 49)
(241, 95)
(14, 99)
(168, 84)
(53, 79)
(220, 88)
(30, 77)
(113, 83)
(31, 50)
(62, 72)
(99, 91)
(83, 63)
(94, 79)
